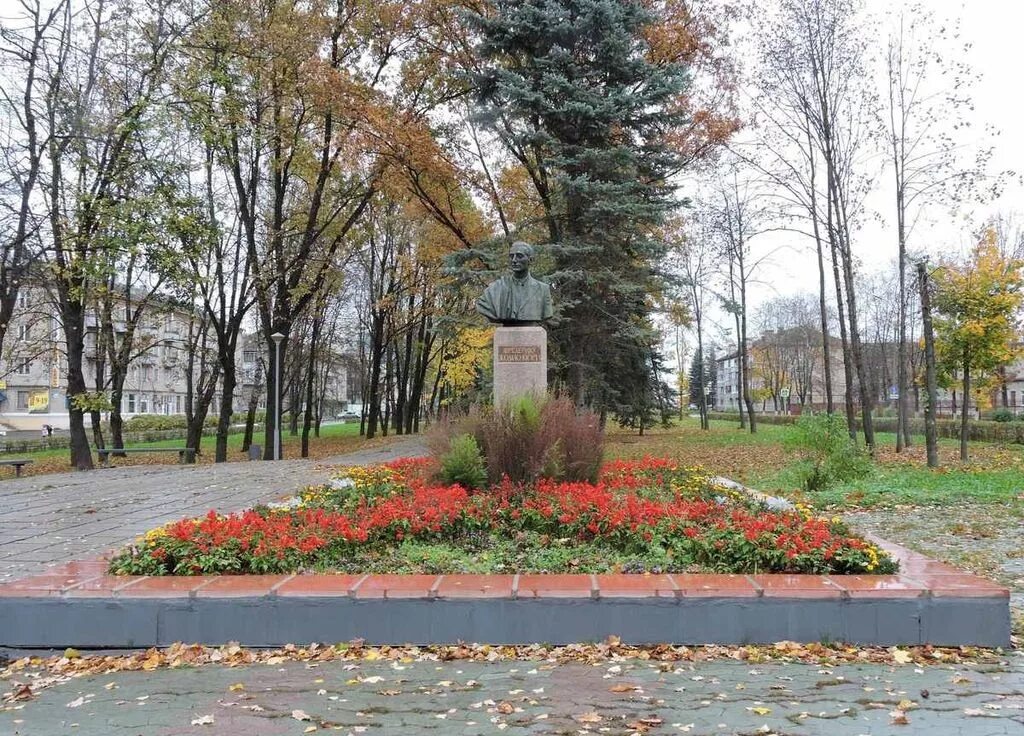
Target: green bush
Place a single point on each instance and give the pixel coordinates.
(1002, 415)
(828, 454)
(154, 422)
(463, 464)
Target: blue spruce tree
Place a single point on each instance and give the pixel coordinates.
(568, 87)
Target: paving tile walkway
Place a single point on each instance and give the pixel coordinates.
(50, 519)
(530, 697)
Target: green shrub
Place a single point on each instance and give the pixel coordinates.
(1002, 415)
(463, 464)
(828, 454)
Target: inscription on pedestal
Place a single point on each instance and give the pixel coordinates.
(520, 362)
(519, 354)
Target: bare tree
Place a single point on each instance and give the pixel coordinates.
(25, 141)
(103, 77)
(737, 212)
(819, 48)
(693, 256)
(928, 101)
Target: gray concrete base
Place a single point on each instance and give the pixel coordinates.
(54, 622)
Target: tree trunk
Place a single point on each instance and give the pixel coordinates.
(822, 305)
(851, 416)
(97, 429)
(314, 338)
(931, 382)
(902, 413)
(965, 406)
(748, 400)
(73, 314)
(273, 407)
(227, 399)
(116, 418)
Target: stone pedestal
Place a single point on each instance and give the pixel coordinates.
(520, 362)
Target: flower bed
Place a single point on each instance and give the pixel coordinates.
(641, 516)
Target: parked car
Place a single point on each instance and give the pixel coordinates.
(348, 416)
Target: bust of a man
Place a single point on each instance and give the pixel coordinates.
(516, 298)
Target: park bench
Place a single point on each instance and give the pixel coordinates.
(184, 453)
(17, 465)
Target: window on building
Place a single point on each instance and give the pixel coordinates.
(1013, 398)
(143, 405)
(131, 403)
(23, 366)
(177, 404)
(24, 332)
(23, 399)
(248, 357)
(23, 299)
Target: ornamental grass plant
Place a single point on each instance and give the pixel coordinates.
(528, 439)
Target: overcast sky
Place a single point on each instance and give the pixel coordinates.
(994, 28)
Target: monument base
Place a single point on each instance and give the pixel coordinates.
(520, 362)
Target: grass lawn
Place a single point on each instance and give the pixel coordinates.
(335, 439)
(995, 474)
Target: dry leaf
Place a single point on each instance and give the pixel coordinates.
(760, 710)
(505, 707)
(309, 729)
(23, 693)
(902, 656)
(590, 717)
(301, 715)
(623, 687)
(236, 687)
(76, 702)
(203, 721)
(899, 718)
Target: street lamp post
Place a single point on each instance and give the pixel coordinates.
(277, 337)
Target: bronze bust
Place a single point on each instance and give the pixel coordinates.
(517, 298)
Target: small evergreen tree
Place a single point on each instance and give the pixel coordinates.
(696, 368)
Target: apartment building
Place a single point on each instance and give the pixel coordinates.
(33, 365)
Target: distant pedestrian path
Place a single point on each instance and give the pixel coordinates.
(49, 519)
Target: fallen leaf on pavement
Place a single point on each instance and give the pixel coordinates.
(902, 656)
(23, 693)
(590, 717)
(301, 715)
(899, 718)
(203, 721)
(623, 687)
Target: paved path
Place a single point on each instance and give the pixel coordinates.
(532, 697)
(48, 519)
